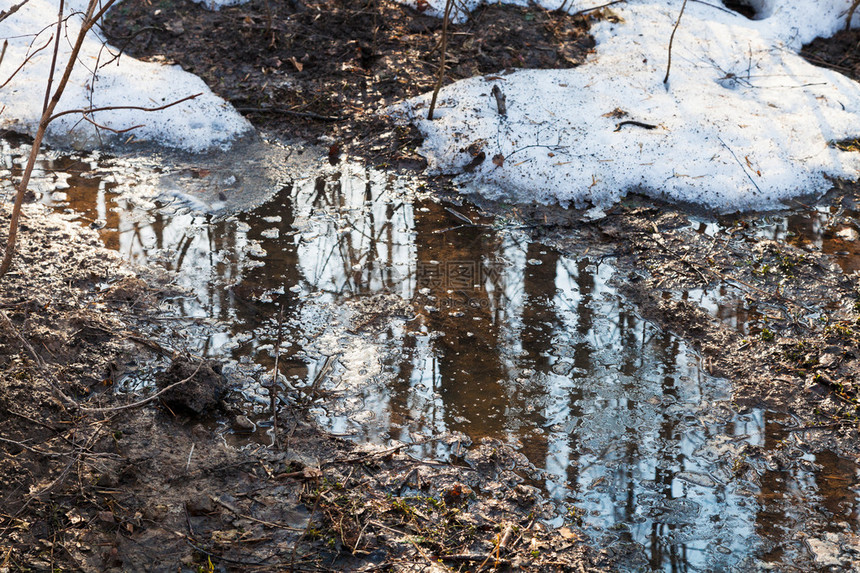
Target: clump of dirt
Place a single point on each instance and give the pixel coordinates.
(320, 70)
(194, 386)
(93, 481)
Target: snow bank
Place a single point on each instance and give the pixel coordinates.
(195, 125)
(744, 122)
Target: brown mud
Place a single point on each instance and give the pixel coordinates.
(153, 487)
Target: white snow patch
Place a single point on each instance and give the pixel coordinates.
(218, 4)
(744, 123)
(194, 125)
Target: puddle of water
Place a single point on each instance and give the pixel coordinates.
(417, 320)
(833, 231)
(830, 230)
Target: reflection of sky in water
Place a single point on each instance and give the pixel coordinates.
(423, 326)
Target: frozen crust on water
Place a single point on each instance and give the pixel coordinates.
(744, 123)
(204, 122)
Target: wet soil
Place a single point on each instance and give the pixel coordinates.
(321, 71)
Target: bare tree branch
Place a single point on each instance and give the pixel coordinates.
(87, 24)
(91, 110)
(449, 5)
(24, 63)
(54, 56)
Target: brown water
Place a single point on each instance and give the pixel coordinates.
(415, 319)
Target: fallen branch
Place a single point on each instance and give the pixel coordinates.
(305, 114)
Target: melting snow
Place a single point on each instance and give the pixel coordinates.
(195, 125)
(744, 122)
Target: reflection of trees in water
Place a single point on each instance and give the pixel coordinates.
(465, 355)
(361, 242)
(546, 353)
(785, 494)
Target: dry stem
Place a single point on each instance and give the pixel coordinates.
(449, 4)
(672, 39)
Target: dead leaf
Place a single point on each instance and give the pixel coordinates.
(615, 113)
(498, 159)
(568, 534)
(312, 473)
(299, 66)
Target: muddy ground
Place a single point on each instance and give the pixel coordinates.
(87, 484)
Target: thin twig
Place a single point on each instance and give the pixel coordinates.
(671, 40)
(107, 128)
(60, 11)
(449, 4)
(91, 110)
(6, 13)
(741, 165)
(593, 8)
(273, 391)
(24, 63)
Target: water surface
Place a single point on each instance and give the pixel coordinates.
(408, 319)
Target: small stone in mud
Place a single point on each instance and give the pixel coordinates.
(200, 505)
(201, 393)
(243, 424)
